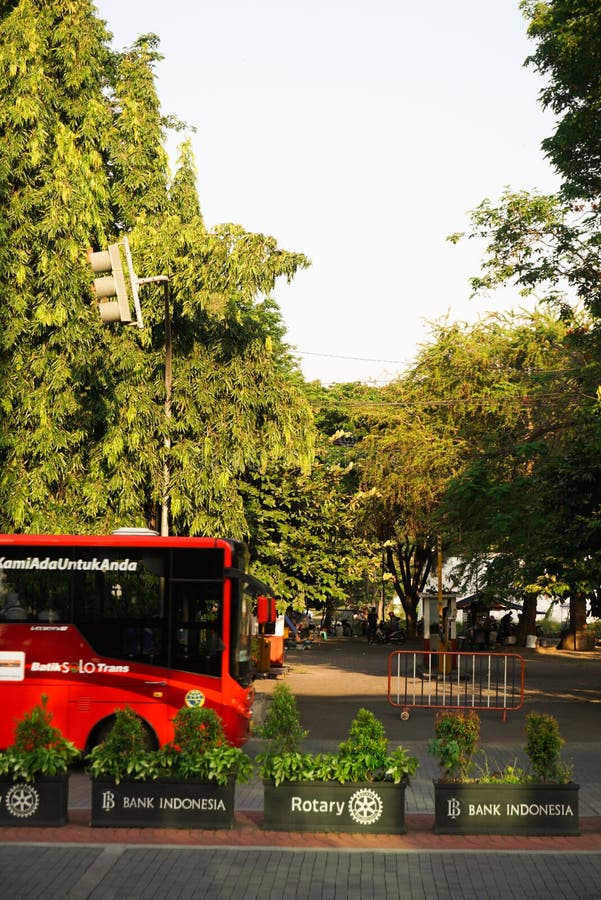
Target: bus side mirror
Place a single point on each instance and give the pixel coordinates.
(266, 610)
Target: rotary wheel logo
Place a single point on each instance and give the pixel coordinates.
(194, 698)
(22, 800)
(365, 806)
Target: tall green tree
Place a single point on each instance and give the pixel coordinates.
(183, 193)
(302, 538)
(405, 464)
(55, 196)
(521, 413)
(84, 435)
(568, 42)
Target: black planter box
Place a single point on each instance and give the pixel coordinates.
(528, 809)
(43, 802)
(375, 807)
(162, 803)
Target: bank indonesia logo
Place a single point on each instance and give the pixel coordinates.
(22, 800)
(453, 808)
(365, 806)
(108, 801)
(194, 699)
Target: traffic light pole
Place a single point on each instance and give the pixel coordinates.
(168, 383)
(111, 282)
(164, 280)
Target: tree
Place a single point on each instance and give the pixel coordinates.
(454, 451)
(55, 194)
(302, 539)
(84, 439)
(183, 192)
(405, 463)
(551, 246)
(568, 37)
(504, 504)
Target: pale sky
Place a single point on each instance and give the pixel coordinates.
(360, 134)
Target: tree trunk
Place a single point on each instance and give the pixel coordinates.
(409, 569)
(577, 638)
(527, 623)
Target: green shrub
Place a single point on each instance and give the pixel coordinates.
(199, 749)
(363, 756)
(124, 752)
(39, 748)
(543, 748)
(456, 742)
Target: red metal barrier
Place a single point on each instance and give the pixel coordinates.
(455, 680)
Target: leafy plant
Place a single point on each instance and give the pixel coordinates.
(363, 756)
(199, 749)
(543, 748)
(282, 729)
(456, 741)
(282, 732)
(511, 773)
(124, 752)
(39, 748)
(456, 744)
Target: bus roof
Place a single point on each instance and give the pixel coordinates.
(123, 538)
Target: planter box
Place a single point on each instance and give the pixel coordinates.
(162, 803)
(43, 802)
(365, 808)
(529, 809)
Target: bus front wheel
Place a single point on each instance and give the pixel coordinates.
(102, 729)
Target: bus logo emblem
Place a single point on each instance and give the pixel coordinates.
(194, 698)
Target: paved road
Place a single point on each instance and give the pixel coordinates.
(331, 682)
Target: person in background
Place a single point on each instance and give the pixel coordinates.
(372, 624)
(393, 622)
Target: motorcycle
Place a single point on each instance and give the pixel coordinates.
(384, 635)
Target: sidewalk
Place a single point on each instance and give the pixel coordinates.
(78, 862)
(419, 818)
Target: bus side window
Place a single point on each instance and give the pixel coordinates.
(143, 643)
(13, 610)
(199, 644)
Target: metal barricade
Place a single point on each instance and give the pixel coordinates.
(455, 680)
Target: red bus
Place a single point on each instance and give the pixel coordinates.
(97, 623)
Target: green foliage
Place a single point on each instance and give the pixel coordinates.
(302, 536)
(281, 730)
(567, 55)
(543, 748)
(199, 750)
(510, 773)
(456, 741)
(124, 752)
(456, 747)
(83, 434)
(363, 756)
(39, 748)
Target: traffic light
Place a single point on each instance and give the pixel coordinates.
(112, 284)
